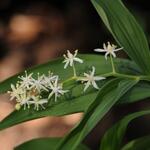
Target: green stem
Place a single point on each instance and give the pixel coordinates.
(115, 74)
(111, 74)
(126, 76)
(112, 64)
(146, 78)
(74, 70)
(140, 77)
(70, 79)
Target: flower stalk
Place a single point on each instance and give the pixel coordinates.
(112, 64)
(28, 90)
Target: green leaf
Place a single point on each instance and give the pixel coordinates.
(142, 143)
(79, 101)
(79, 104)
(75, 105)
(113, 137)
(56, 66)
(106, 98)
(139, 92)
(125, 30)
(44, 144)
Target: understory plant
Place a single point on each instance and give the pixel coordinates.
(92, 84)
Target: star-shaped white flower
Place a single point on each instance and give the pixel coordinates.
(38, 102)
(24, 100)
(26, 81)
(16, 91)
(70, 58)
(90, 79)
(37, 84)
(56, 90)
(109, 49)
(47, 80)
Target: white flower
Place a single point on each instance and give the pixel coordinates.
(47, 80)
(70, 58)
(38, 102)
(37, 84)
(90, 79)
(56, 90)
(109, 49)
(16, 91)
(26, 81)
(24, 100)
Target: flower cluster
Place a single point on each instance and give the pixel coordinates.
(28, 90)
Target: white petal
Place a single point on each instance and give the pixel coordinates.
(64, 91)
(56, 83)
(86, 86)
(43, 101)
(104, 46)
(75, 54)
(100, 50)
(97, 78)
(42, 106)
(118, 49)
(93, 71)
(56, 97)
(65, 66)
(30, 75)
(65, 56)
(106, 55)
(95, 85)
(85, 74)
(69, 54)
(112, 53)
(71, 62)
(12, 98)
(50, 95)
(78, 60)
(44, 88)
(66, 60)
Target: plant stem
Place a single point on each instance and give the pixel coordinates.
(126, 76)
(112, 64)
(70, 79)
(74, 70)
(111, 74)
(120, 75)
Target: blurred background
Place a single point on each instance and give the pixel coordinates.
(34, 32)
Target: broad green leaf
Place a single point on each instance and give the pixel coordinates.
(80, 104)
(79, 101)
(59, 109)
(142, 143)
(125, 30)
(113, 137)
(56, 66)
(44, 144)
(106, 98)
(139, 92)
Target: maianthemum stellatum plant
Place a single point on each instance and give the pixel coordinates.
(87, 83)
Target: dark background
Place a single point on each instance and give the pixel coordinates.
(56, 25)
(36, 31)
